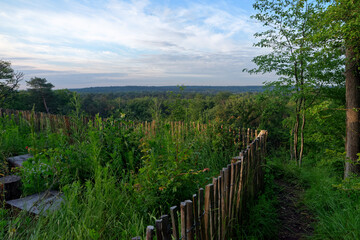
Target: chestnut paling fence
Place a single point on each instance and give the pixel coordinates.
(51, 122)
(216, 212)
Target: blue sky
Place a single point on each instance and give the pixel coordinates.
(87, 43)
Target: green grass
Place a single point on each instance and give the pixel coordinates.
(261, 221)
(334, 203)
(115, 178)
(336, 207)
(99, 209)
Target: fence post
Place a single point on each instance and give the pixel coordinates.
(158, 229)
(240, 187)
(201, 211)
(220, 194)
(215, 207)
(150, 232)
(213, 216)
(232, 179)
(165, 227)
(209, 201)
(196, 216)
(189, 220)
(183, 220)
(174, 221)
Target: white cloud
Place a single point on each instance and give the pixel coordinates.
(135, 38)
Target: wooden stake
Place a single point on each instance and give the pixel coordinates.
(158, 229)
(189, 220)
(196, 216)
(215, 208)
(174, 221)
(183, 220)
(219, 189)
(201, 211)
(150, 232)
(165, 227)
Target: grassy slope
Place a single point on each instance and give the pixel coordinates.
(333, 202)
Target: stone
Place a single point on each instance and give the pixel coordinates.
(40, 203)
(10, 187)
(17, 161)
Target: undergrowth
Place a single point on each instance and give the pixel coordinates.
(334, 202)
(115, 177)
(261, 221)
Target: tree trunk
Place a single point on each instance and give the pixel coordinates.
(291, 145)
(302, 136)
(45, 105)
(296, 136)
(352, 75)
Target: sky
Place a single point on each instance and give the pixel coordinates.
(88, 43)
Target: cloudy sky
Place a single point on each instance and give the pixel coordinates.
(87, 43)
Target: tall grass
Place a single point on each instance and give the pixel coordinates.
(14, 135)
(334, 202)
(99, 209)
(114, 175)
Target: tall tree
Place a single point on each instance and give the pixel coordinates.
(41, 90)
(340, 28)
(9, 81)
(302, 69)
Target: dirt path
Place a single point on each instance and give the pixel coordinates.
(295, 219)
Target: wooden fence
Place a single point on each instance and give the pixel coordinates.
(51, 122)
(39, 120)
(216, 212)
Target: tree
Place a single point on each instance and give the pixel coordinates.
(62, 101)
(302, 68)
(340, 27)
(9, 81)
(40, 89)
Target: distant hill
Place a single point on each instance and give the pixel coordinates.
(142, 89)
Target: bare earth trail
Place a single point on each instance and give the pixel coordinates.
(295, 219)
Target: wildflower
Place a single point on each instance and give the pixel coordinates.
(137, 187)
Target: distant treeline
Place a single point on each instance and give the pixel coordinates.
(187, 89)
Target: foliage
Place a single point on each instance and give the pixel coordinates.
(40, 90)
(98, 209)
(331, 135)
(9, 81)
(339, 22)
(14, 136)
(123, 170)
(338, 28)
(262, 219)
(37, 174)
(297, 60)
(333, 202)
(117, 174)
(335, 206)
(175, 165)
(302, 66)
